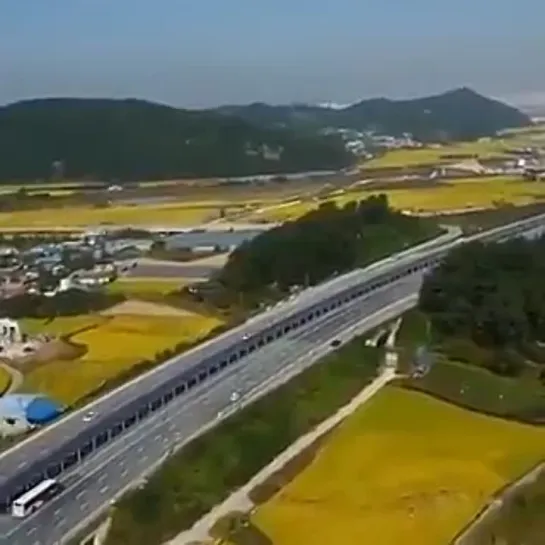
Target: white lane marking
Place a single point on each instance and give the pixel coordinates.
(57, 512)
(102, 478)
(124, 472)
(30, 531)
(83, 506)
(104, 489)
(60, 522)
(80, 495)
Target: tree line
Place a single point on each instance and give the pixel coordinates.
(325, 242)
(494, 296)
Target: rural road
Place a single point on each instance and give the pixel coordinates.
(240, 500)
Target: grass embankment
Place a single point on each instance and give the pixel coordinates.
(473, 193)
(480, 390)
(5, 380)
(114, 346)
(205, 472)
(457, 375)
(406, 468)
(413, 332)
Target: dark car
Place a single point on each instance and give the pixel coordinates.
(335, 343)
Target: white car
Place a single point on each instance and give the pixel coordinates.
(245, 337)
(87, 417)
(234, 397)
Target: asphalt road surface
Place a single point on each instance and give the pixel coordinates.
(174, 270)
(103, 475)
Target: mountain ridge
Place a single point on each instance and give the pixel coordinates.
(128, 139)
(456, 114)
(134, 139)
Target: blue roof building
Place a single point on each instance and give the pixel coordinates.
(33, 408)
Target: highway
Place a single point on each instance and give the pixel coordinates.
(201, 374)
(94, 483)
(63, 440)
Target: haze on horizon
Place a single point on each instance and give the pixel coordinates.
(211, 52)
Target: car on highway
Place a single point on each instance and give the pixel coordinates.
(335, 343)
(234, 397)
(87, 417)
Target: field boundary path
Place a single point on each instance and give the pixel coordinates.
(240, 500)
(496, 502)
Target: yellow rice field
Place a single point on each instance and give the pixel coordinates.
(405, 469)
(484, 149)
(62, 325)
(114, 346)
(456, 195)
(84, 216)
(5, 380)
(465, 193)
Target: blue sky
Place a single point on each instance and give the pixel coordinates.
(209, 52)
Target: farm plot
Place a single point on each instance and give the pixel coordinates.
(406, 468)
(114, 347)
(484, 149)
(477, 193)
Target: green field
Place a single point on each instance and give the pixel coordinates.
(481, 390)
(146, 288)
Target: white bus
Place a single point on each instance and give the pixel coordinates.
(35, 497)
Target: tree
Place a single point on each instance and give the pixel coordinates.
(492, 293)
(325, 242)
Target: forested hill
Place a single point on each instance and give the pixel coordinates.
(135, 140)
(493, 297)
(321, 244)
(461, 114)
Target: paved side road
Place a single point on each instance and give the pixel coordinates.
(240, 501)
